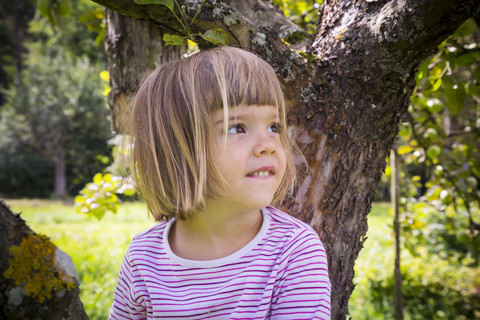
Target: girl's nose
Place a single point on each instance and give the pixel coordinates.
(265, 146)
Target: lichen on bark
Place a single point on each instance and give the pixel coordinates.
(34, 266)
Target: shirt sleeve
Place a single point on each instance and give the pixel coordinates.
(302, 289)
(126, 303)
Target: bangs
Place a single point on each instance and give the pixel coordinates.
(228, 78)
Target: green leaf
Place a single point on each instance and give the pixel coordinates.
(97, 179)
(437, 84)
(455, 95)
(43, 6)
(405, 132)
(79, 200)
(173, 39)
(167, 3)
(44, 9)
(217, 36)
(466, 59)
(476, 74)
(431, 134)
(64, 8)
(475, 169)
(434, 105)
(434, 151)
(467, 28)
(404, 149)
(129, 192)
(473, 90)
(472, 182)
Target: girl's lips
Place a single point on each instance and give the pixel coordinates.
(262, 172)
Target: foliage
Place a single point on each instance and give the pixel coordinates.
(440, 147)
(439, 291)
(303, 13)
(14, 18)
(214, 37)
(99, 196)
(440, 230)
(55, 106)
(433, 287)
(54, 10)
(86, 32)
(84, 15)
(58, 106)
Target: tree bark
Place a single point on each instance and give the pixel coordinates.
(15, 300)
(398, 294)
(346, 98)
(133, 47)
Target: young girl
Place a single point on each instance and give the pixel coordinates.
(210, 153)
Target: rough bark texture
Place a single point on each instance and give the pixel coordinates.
(133, 47)
(15, 302)
(346, 99)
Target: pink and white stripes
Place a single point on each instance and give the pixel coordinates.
(281, 274)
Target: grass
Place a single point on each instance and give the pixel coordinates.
(377, 254)
(97, 247)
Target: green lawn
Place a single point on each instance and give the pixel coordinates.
(377, 254)
(97, 247)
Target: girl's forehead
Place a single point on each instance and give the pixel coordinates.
(246, 111)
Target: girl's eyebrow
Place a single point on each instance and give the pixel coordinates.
(231, 118)
(242, 115)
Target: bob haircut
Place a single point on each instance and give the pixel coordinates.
(172, 133)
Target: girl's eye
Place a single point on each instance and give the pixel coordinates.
(275, 128)
(235, 129)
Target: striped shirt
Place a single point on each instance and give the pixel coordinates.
(280, 274)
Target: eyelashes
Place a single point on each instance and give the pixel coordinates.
(276, 128)
(239, 128)
(236, 128)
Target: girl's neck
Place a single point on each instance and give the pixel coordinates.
(214, 233)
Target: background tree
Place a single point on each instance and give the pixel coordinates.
(14, 17)
(54, 127)
(58, 112)
(344, 130)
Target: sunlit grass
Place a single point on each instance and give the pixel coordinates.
(377, 254)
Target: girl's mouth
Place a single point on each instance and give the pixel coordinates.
(263, 172)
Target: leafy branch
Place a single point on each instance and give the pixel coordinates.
(217, 36)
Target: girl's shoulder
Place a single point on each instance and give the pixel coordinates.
(155, 231)
(283, 220)
(290, 234)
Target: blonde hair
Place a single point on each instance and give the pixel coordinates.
(172, 133)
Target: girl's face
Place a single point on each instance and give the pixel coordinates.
(251, 159)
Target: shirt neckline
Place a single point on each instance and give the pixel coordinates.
(216, 262)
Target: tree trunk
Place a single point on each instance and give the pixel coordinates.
(21, 294)
(398, 295)
(346, 97)
(17, 41)
(60, 173)
(133, 48)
